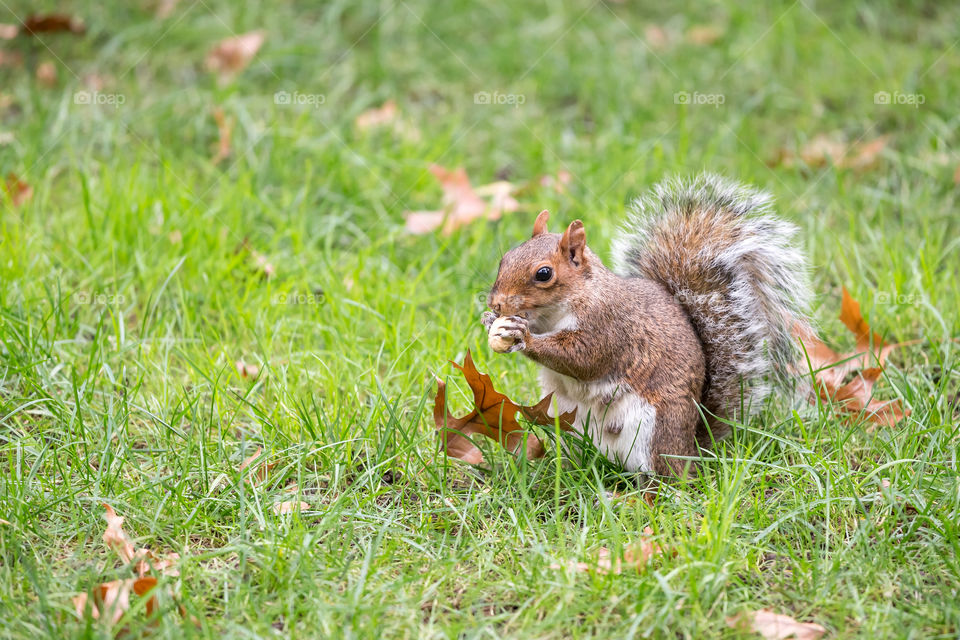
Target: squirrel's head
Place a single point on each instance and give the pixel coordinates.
(535, 278)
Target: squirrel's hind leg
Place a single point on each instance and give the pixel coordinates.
(676, 435)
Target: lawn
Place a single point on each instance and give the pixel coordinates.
(166, 313)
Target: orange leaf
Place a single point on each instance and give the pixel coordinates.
(822, 150)
(53, 23)
(376, 117)
(637, 555)
(18, 190)
(775, 626)
(462, 204)
(115, 537)
(8, 31)
(232, 55)
(289, 506)
(225, 131)
(494, 416)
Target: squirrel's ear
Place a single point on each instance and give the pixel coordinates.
(540, 226)
(573, 242)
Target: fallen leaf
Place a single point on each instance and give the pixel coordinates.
(830, 368)
(635, 555)
(225, 132)
(247, 370)
(823, 149)
(775, 626)
(10, 59)
(113, 598)
(704, 34)
(461, 203)
(8, 31)
(557, 182)
(18, 190)
(47, 74)
(115, 537)
(377, 117)
(53, 23)
(232, 55)
(260, 471)
(494, 416)
(260, 262)
(656, 37)
(289, 506)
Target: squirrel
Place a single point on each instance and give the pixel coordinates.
(693, 329)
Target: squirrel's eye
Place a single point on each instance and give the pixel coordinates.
(543, 274)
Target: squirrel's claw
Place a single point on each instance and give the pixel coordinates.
(488, 318)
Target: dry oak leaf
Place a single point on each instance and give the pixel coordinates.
(53, 23)
(289, 506)
(18, 190)
(113, 598)
(247, 370)
(822, 150)
(8, 31)
(635, 555)
(494, 416)
(232, 55)
(378, 116)
(830, 368)
(775, 626)
(47, 74)
(258, 471)
(225, 134)
(115, 537)
(462, 204)
(704, 34)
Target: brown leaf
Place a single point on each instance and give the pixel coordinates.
(704, 34)
(289, 506)
(823, 149)
(8, 31)
(830, 368)
(635, 555)
(47, 74)
(18, 190)
(225, 132)
(461, 203)
(377, 117)
(232, 55)
(775, 626)
(262, 469)
(656, 37)
(247, 370)
(493, 416)
(260, 262)
(115, 537)
(165, 8)
(113, 598)
(53, 23)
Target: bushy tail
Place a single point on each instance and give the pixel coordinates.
(732, 264)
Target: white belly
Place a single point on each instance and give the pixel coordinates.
(600, 404)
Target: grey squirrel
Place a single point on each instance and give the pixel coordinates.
(700, 311)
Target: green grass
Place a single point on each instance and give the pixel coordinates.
(118, 340)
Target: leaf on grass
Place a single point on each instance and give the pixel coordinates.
(8, 31)
(53, 23)
(47, 74)
(635, 555)
(775, 626)
(704, 34)
(224, 133)
(115, 537)
(258, 471)
(18, 190)
(494, 416)
(830, 368)
(656, 37)
(260, 262)
(247, 370)
(112, 599)
(822, 150)
(289, 506)
(377, 117)
(232, 55)
(462, 204)
(557, 182)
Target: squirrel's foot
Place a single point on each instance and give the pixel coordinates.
(508, 334)
(488, 318)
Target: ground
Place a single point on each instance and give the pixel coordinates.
(141, 271)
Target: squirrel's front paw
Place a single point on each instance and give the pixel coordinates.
(488, 318)
(507, 334)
